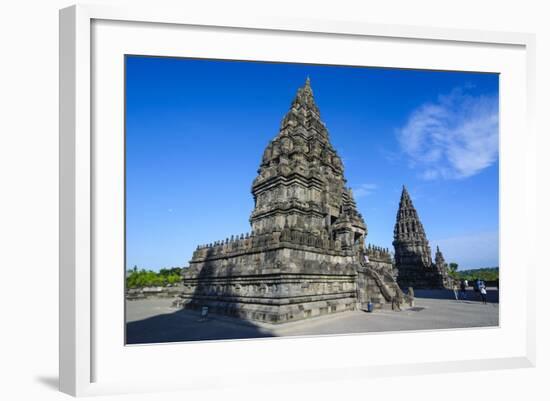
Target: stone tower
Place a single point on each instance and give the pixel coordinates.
(439, 259)
(442, 267)
(413, 258)
(305, 254)
(300, 183)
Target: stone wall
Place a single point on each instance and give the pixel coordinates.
(173, 291)
(257, 241)
(278, 284)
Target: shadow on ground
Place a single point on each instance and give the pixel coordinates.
(185, 325)
(155, 321)
(471, 295)
(49, 381)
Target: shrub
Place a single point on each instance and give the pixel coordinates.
(147, 278)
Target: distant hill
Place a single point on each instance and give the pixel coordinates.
(484, 273)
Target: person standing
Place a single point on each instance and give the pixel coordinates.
(483, 292)
(410, 295)
(455, 290)
(477, 284)
(463, 286)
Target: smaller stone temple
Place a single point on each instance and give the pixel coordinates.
(413, 256)
(440, 260)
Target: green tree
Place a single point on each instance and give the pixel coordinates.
(452, 270)
(147, 278)
(485, 274)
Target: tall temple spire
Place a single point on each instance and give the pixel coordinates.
(318, 199)
(408, 226)
(413, 256)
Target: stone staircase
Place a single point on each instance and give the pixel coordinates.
(381, 287)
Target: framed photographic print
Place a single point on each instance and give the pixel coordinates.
(290, 197)
(319, 200)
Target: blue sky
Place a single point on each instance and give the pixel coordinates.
(196, 131)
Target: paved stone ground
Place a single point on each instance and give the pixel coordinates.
(155, 321)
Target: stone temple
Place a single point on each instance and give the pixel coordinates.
(305, 255)
(413, 256)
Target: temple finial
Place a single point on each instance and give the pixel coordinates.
(304, 98)
(404, 193)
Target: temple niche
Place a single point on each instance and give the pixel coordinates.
(413, 256)
(305, 255)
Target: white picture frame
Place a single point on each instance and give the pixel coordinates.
(82, 344)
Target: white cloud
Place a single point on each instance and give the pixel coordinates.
(455, 137)
(364, 190)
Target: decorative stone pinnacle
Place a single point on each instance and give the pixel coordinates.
(405, 193)
(304, 95)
